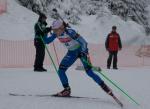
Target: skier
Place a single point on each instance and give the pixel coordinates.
(113, 44)
(40, 31)
(77, 48)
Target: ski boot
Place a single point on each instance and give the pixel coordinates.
(106, 89)
(109, 92)
(64, 93)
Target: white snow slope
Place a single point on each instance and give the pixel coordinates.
(17, 24)
(24, 81)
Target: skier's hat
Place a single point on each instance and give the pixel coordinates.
(56, 24)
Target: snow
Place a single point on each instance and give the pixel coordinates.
(18, 23)
(24, 81)
(95, 30)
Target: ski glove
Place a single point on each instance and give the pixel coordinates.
(65, 24)
(84, 53)
(47, 30)
(45, 23)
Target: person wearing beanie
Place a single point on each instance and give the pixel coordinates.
(40, 31)
(77, 49)
(113, 45)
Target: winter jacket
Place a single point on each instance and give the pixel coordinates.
(41, 29)
(113, 42)
(70, 39)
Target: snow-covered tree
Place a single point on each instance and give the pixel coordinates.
(130, 9)
(72, 9)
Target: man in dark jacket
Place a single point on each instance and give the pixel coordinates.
(113, 44)
(40, 31)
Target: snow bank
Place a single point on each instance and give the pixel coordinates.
(18, 23)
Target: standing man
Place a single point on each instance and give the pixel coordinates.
(40, 31)
(113, 44)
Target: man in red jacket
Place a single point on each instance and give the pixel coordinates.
(113, 45)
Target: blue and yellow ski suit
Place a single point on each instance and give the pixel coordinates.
(77, 48)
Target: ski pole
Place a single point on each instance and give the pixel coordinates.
(55, 53)
(49, 54)
(55, 10)
(113, 83)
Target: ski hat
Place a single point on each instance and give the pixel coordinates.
(56, 24)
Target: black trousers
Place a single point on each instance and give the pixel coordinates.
(112, 55)
(40, 53)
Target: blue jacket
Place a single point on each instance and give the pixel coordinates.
(70, 39)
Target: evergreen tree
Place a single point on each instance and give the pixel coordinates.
(73, 9)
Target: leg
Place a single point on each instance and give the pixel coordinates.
(67, 61)
(40, 54)
(88, 68)
(115, 59)
(109, 60)
(94, 76)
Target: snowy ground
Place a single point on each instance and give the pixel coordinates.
(19, 21)
(24, 81)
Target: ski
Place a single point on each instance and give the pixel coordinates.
(114, 97)
(69, 97)
(53, 95)
(118, 101)
(15, 94)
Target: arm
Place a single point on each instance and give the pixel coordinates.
(83, 43)
(120, 44)
(50, 39)
(38, 29)
(74, 35)
(41, 30)
(107, 42)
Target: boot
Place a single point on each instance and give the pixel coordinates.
(43, 69)
(40, 69)
(106, 89)
(115, 68)
(64, 93)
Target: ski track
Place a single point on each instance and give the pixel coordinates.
(34, 102)
(25, 81)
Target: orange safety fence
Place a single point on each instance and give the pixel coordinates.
(19, 54)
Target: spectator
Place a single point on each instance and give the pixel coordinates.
(113, 44)
(40, 31)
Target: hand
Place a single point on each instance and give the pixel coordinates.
(65, 24)
(45, 23)
(84, 52)
(48, 29)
